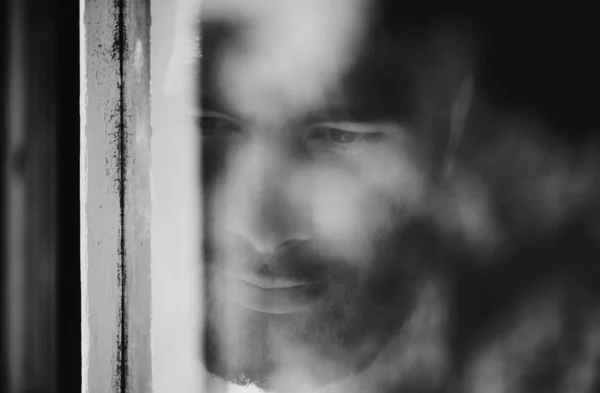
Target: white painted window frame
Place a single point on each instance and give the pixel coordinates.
(140, 200)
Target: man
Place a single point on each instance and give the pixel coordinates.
(360, 235)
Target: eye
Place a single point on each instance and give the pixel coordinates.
(218, 126)
(342, 134)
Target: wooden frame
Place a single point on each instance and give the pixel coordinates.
(115, 196)
(127, 330)
(140, 326)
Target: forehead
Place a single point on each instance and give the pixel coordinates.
(346, 60)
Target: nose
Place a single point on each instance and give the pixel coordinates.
(265, 203)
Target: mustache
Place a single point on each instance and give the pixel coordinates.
(298, 261)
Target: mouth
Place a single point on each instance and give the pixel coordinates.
(271, 295)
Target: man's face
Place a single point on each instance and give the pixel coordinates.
(315, 192)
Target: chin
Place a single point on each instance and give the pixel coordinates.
(339, 337)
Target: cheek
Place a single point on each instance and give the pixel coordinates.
(341, 215)
(358, 201)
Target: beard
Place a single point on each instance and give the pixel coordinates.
(361, 309)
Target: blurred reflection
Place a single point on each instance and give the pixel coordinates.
(345, 192)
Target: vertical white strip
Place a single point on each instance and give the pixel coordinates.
(137, 201)
(85, 328)
(176, 264)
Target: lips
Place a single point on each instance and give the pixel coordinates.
(272, 282)
(271, 294)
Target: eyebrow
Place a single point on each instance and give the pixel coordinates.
(329, 113)
(362, 108)
(222, 115)
(211, 104)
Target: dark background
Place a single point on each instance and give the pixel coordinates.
(544, 59)
(69, 319)
(535, 59)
